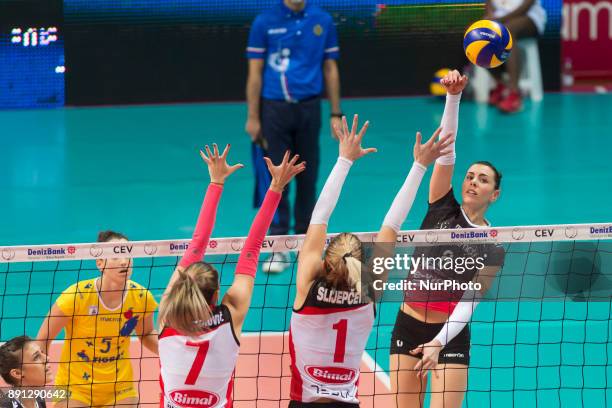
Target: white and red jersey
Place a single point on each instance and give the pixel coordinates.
(327, 339)
(198, 371)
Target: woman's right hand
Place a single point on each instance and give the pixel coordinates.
(218, 168)
(350, 142)
(284, 172)
(427, 153)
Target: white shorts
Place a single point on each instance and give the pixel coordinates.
(536, 13)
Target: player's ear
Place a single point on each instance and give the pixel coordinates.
(17, 374)
(100, 264)
(495, 196)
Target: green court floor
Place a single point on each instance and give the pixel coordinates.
(68, 173)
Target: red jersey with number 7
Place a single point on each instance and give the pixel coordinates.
(198, 371)
(327, 339)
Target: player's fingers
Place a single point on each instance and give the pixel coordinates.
(345, 126)
(294, 159)
(285, 158)
(418, 138)
(269, 163)
(208, 152)
(216, 149)
(355, 124)
(226, 151)
(363, 131)
(369, 150)
(203, 155)
(235, 167)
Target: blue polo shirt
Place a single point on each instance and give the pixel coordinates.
(294, 46)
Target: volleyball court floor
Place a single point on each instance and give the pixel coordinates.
(69, 173)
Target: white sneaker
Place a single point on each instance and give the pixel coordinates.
(276, 263)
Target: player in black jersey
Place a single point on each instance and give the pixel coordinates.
(333, 311)
(431, 330)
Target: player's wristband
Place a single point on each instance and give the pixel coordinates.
(337, 115)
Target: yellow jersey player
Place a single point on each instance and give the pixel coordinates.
(99, 315)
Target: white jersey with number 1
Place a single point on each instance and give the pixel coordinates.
(327, 339)
(198, 371)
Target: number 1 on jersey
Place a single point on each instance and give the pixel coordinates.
(341, 327)
(198, 362)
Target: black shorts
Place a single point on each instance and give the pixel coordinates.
(409, 332)
(333, 404)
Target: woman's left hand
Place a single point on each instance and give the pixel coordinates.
(431, 352)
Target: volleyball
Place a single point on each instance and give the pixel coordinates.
(487, 43)
(435, 87)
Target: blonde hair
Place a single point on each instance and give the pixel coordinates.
(186, 307)
(342, 262)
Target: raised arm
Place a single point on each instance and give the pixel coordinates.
(440, 183)
(424, 155)
(53, 324)
(349, 150)
(219, 171)
(238, 296)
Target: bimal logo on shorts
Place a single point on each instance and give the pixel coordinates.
(194, 398)
(331, 375)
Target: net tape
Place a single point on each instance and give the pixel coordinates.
(279, 243)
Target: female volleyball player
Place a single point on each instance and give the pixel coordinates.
(199, 339)
(430, 331)
(99, 316)
(24, 367)
(332, 316)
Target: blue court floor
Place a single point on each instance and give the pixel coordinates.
(68, 173)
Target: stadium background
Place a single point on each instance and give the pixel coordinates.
(158, 51)
(68, 173)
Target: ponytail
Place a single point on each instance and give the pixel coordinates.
(342, 265)
(186, 308)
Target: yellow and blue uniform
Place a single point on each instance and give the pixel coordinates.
(95, 362)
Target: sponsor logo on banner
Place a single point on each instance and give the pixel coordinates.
(291, 243)
(236, 244)
(8, 254)
(213, 244)
(571, 232)
(267, 243)
(544, 233)
(493, 233)
(178, 247)
(605, 231)
(150, 249)
(473, 235)
(518, 234)
(431, 237)
(331, 375)
(96, 251)
(404, 238)
(51, 253)
(194, 398)
(123, 249)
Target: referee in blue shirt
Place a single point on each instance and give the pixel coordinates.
(292, 49)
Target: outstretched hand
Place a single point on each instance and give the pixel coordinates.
(350, 142)
(284, 172)
(218, 168)
(454, 82)
(425, 154)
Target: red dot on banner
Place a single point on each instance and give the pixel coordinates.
(493, 233)
(71, 250)
(213, 244)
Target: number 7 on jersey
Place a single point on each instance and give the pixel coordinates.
(198, 362)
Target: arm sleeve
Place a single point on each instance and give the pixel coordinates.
(204, 226)
(331, 192)
(332, 48)
(257, 45)
(450, 124)
(405, 198)
(459, 318)
(249, 256)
